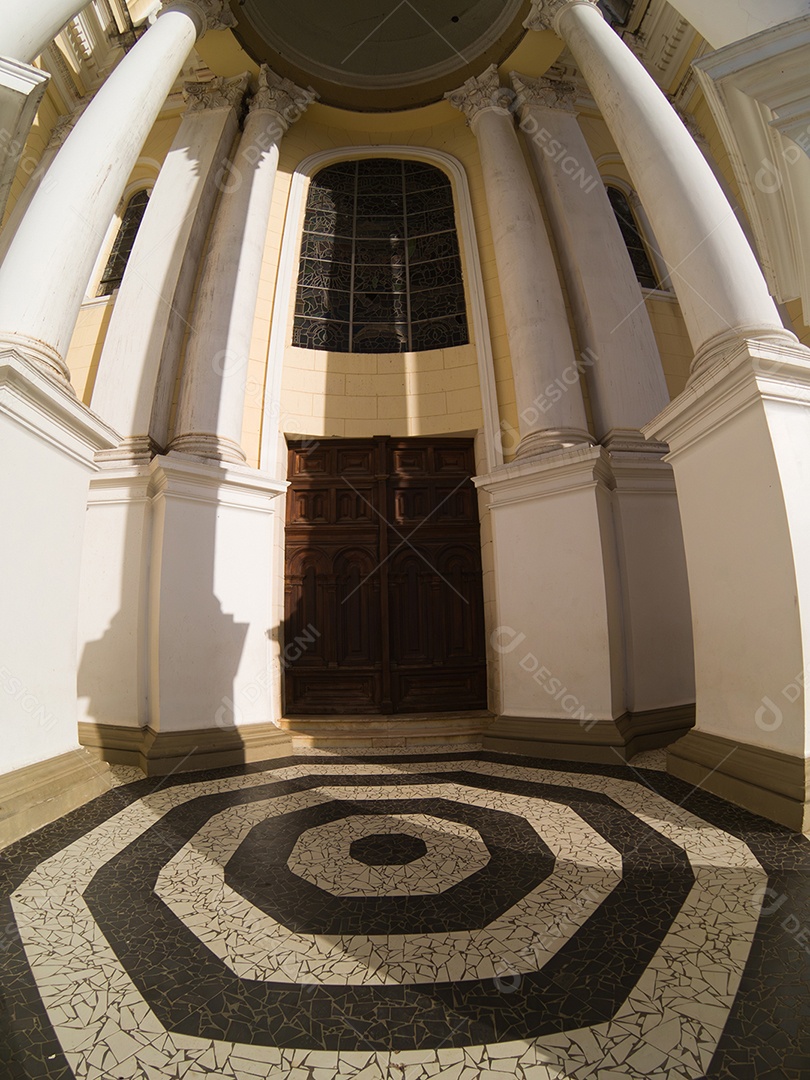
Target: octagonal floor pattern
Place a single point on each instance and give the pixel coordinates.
(463, 915)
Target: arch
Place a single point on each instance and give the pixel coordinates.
(288, 274)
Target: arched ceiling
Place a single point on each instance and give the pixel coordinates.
(379, 55)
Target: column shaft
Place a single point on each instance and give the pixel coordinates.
(537, 325)
(720, 286)
(212, 394)
(68, 217)
(620, 355)
(148, 324)
(25, 29)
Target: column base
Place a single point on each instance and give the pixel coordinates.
(39, 356)
(604, 741)
(767, 782)
(165, 753)
(22, 88)
(537, 443)
(207, 447)
(135, 451)
(631, 441)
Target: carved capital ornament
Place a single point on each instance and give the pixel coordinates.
(545, 14)
(217, 93)
(209, 14)
(549, 93)
(481, 93)
(281, 96)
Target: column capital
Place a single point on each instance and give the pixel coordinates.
(281, 96)
(550, 93)
(545, 14)
(218, 93)
(208, 14)
(481, 93)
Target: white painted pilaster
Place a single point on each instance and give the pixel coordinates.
(212, 393)
(138, 367)
(540, 342)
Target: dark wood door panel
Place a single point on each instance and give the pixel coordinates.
(383, 559)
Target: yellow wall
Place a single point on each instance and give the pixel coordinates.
(360, 395)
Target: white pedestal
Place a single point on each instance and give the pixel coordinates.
(21, 90)
(655, 588)
(740, 448)
(112, 681)
(559, 638)
(48, 441)
(211, 607)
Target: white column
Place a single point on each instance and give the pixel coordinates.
(627, 389)
(619, 352)
(212, 394)
(723, 21)
(40, 297)
(25, 29)
(62, 128)
(537, 325)
(150, 318)
(722, 292)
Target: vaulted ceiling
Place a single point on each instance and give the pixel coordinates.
(380, 54)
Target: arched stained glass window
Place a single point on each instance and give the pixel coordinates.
(380, 264)
(633, 239)
(122, 247)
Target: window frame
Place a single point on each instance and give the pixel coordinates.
(349, 191)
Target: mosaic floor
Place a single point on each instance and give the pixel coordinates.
(463, 915)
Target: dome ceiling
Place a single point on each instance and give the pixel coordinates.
(380, 54)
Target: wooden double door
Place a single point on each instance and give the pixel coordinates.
(384, 596)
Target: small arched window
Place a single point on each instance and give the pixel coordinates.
(122, 247)
(380, 265)
(636, 248)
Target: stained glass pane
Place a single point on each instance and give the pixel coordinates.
(633, 240)
(380, 264)
(122, 246)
